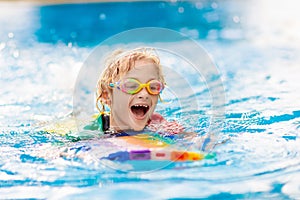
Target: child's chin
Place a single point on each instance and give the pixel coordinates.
(138, 129)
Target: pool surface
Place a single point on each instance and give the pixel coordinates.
(255, 46)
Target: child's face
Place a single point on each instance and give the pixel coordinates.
(132, 112)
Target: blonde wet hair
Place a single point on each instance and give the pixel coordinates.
(118, 64)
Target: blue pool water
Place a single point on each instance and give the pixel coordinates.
(256, 48)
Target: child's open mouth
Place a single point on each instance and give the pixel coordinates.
(139, 110)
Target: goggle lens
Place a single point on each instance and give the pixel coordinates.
(155, 86)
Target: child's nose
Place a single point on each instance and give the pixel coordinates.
(143, 93)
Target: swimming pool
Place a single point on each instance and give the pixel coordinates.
(43, 47)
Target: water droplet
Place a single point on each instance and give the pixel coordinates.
(10, 35)
(181, 10)
(236, 19)
(102, 16)
(199, 5)
(214, 5)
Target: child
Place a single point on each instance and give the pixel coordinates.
(130, 86)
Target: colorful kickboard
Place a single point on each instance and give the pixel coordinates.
(140, 147)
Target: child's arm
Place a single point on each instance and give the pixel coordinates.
(205, 143)
(159, 123)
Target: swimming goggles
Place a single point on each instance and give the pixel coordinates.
(133, 86)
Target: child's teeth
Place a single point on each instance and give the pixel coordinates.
(142, 105)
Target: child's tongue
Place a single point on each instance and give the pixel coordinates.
(138, 111)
